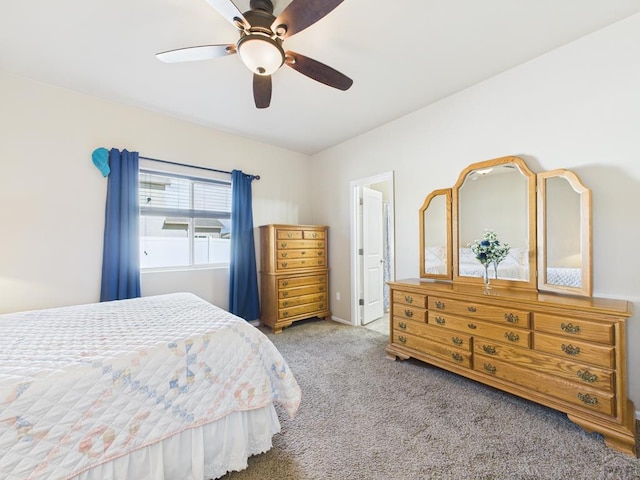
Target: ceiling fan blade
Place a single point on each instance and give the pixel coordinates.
(192, 54)
(262, 90)
(318, 71)
(230, 12)
(300, 14)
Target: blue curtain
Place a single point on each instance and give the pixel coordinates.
(243, 277)
(120, 258)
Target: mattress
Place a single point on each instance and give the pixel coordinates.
(84, 385)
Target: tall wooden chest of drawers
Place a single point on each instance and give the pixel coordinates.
(294, 274)
(567, 353)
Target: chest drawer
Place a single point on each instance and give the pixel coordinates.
(413, 299)
(309, 253)
(569, 370)
(307, 308)
(294, 263)
(300, 281)
(286, 244)
(574, 328)
(499, 333)
(303, 290)
(299, 234)
(581, 352)
(301, 299)
(454, 339)
(514, 317)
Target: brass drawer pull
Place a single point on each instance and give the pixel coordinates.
(314, 235)
(570, 349)
(488, 349)
(285, 283)
(511, 317)
(290, 234)
(320, 254)
(457, 357)
(570, 327)
(402, 339)
(320, 244)
(439, 305)
(321, 288)
(472, 309)
(440, 320)
(285, 294)
(402, 325)
(408, 298)
(285, 304)
(284, 264)
(456, 340)
(588, 399)
(587, 376)
(489, 368)
(512, 337)
(472, 326)
(285, 314)
(283, 244)
(284, 254)
(408, 313)
(303, 253)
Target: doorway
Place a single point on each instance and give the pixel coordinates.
(372, 257)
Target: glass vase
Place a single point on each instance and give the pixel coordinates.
(487, 281)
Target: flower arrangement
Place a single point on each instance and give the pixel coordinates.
(489, 251)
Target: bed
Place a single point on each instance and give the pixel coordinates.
(165, 387)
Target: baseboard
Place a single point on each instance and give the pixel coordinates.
(340, 320)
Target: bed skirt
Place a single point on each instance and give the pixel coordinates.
(197, 453)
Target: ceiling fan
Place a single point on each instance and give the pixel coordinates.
(260, 44)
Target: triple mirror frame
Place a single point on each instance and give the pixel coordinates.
(544, 218)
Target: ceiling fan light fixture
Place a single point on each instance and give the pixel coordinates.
(260, 53)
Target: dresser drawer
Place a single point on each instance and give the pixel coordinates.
(296, 263)
(454, 339)
(436, 349)
(310, 253)
(574, 328)
(303, 290)
(300, 281)
(582, 396)
(499, 333)
(286, 244)
(302, 299)
(313, 234)
(401, 310)
(514, 317)
(414, 299)
(302, 309)
(572, 371)
(579, 351)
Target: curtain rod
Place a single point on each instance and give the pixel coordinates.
(256, 177)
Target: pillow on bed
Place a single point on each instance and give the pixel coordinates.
(466, 256)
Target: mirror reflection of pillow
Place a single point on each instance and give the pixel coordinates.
(467, 256)
(516, 256)
(433, 255)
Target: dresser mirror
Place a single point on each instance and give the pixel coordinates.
(564, 221)
(435, 238)
(548, 232)
(496, 195)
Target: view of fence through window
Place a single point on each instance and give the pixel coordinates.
(184, 221)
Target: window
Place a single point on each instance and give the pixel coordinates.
(184, 221)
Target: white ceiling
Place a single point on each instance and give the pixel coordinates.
(401, 54)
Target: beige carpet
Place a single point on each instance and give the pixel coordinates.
(365, 417)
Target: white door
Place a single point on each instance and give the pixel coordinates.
(372, 255)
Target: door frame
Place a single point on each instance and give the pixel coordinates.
(355, 232)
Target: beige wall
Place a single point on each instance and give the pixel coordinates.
(52, 198)
(577, 108)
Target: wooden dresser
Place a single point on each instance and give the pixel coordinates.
(294, 277)
(567, 353)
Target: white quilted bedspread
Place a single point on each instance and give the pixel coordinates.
(82, 385)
